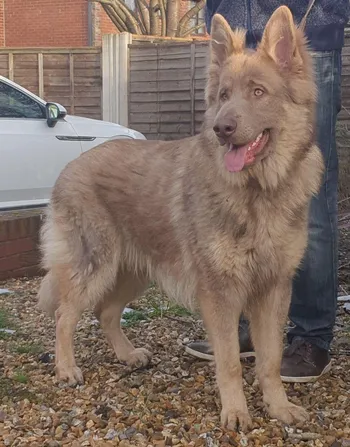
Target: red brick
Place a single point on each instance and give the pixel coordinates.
(29, 272)
(19, 261)
(9, 248)
(19, 234)
(19, 227)
(2, 23)
(46, 23)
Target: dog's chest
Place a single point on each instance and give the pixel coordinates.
(255, 242)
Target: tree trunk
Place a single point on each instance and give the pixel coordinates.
(153, 17)
(162, 17)
(142, 6)
(172, 17)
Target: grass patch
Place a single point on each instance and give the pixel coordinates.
(13, 391)
(154, 304)
(179, 311)
(5, 323)
(5, 320)
(29, 348)
(20, 377)
(134, 317)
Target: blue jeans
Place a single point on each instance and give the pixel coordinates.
(314, 299)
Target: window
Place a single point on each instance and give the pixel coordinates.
(15, 104)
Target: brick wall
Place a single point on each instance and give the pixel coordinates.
(2, 24)
(46, 23)
(102, 24)
(55, 23)
(19, 255)
(106, 24)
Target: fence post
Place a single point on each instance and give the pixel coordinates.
(115, 77)
(193, 91)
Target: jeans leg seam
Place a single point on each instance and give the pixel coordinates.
(332, 129)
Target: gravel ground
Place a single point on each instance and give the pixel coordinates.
(174, 402)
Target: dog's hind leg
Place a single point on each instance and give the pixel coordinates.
(109, 311)
(72, 302)
(267, 319)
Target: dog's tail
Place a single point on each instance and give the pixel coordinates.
(47, 298)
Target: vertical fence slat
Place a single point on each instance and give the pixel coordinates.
(192, 94)
(41, 74)
(106, 77)
(11, 73)
(71, 83)
(125, 41)
(114, 70)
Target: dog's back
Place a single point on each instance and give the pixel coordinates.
(220, 217)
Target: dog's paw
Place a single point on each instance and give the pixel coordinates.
(138, 358)
(289, 413)
(236, 420)
(71, 375)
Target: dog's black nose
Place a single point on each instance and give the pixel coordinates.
(225, 128)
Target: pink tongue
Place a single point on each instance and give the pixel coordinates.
(235, 158)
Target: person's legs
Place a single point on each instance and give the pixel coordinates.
(203, 350)
(314, 302)
(313, 305)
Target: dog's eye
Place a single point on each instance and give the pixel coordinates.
(223, 96)
(258, 92)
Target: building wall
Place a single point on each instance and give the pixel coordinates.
(102, 24)
(2, 24)
(47, 23)
(52, 23)
(19, 249)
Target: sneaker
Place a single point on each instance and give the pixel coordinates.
(203, 350)
(304, 362)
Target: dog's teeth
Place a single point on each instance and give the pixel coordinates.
(258, 138)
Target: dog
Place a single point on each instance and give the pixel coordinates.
(219, 219)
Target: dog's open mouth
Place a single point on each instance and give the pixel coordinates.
(237, 157)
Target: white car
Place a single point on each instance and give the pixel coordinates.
(37, 140)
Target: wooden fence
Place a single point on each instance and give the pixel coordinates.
(70, 76)
(166, 88)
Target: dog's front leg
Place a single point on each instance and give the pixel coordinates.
(221, 317)
(267, 320)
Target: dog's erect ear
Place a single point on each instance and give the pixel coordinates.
(224, 41)
(279, 39)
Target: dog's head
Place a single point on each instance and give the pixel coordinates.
(261, 101)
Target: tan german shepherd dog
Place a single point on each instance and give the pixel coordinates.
(220, 218)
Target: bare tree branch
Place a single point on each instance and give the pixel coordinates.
(187, 17)
(132, 22)
(153, 6)
(192, 30)
(158, 17)
(144, 14)
(172, 16)
(162, 17)
(117, 20)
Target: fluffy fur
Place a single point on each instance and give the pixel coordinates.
(131, 211)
